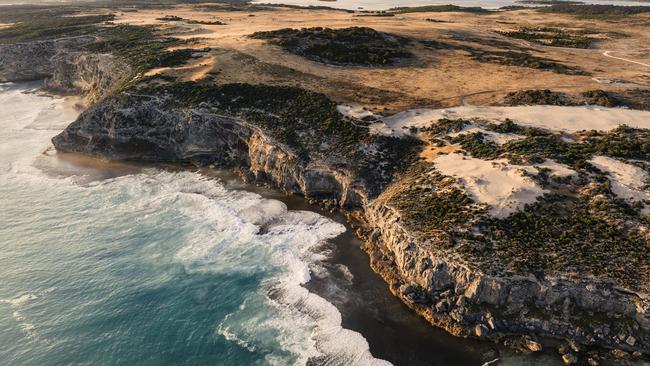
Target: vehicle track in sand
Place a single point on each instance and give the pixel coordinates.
(607, 54)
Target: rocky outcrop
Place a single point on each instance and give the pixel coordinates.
(137, 127)
(64, 67)
(141, 128)
(438, 284)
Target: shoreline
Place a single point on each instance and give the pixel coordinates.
(366, 304)
(450, 292)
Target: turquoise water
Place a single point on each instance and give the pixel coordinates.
(103, 264)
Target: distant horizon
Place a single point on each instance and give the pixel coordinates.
(358, 4)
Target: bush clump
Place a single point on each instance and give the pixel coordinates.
(347, 46)
(549, 36)
(536, 96)
(623, 142)
(441, 9)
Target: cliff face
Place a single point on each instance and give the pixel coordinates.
(315, 180)
(436, 283)
(64, 67)
(467, 302)
(89, 74)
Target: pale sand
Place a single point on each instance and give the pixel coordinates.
(628, 181)
(554, 118)
(502, 186)
(489, 136)
(497, 183)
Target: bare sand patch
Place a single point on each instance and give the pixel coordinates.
(628, 181)
(500, 185)
(554, 118)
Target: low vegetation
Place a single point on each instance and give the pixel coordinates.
(141, 46)
(622, 142)
(348, 46)
(580, 227)
(567, 233)
(440, 9)
(174, 18)
(522, 59)
(51, 27)
(170, 18)
(552, 37)
(431, 203)
(535, 96)
(549, 2)
(205, 22)
(631, 98)
(613, 12)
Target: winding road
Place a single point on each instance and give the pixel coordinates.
(606, 54)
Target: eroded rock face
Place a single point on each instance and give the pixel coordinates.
(63, 66)
(33, 60)
(94, 75)
(438, 284)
